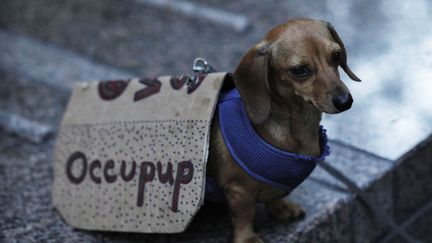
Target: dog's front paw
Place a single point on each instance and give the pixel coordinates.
(255, 239)
(284, 210)
(251, 239)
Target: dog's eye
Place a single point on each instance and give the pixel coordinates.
(300, 71)
(337, 57)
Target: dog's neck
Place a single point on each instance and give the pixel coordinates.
(292, 126)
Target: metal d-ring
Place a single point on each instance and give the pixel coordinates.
(200, 65)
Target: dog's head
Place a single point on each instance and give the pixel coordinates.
(298, 57)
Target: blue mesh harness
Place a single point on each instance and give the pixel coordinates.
(261, 160)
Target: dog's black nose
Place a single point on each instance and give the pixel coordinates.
(343, 102)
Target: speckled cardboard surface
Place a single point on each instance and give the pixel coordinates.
(131, 154)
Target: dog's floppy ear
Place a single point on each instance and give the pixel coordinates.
(251, 79)
(344, 63)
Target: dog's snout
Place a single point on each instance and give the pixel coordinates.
(343, 102)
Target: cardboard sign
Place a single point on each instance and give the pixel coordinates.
(131, 154)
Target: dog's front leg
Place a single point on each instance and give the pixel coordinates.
(241, 203)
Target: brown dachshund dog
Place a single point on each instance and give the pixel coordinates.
(286, 81)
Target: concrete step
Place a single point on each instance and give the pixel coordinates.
(28, 109)
(35, 83)
(145, 36)
(47, 63)
(125, 34)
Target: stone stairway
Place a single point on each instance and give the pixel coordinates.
(48, 45)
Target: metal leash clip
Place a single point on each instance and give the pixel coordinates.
(201, 65)
(200, 70)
